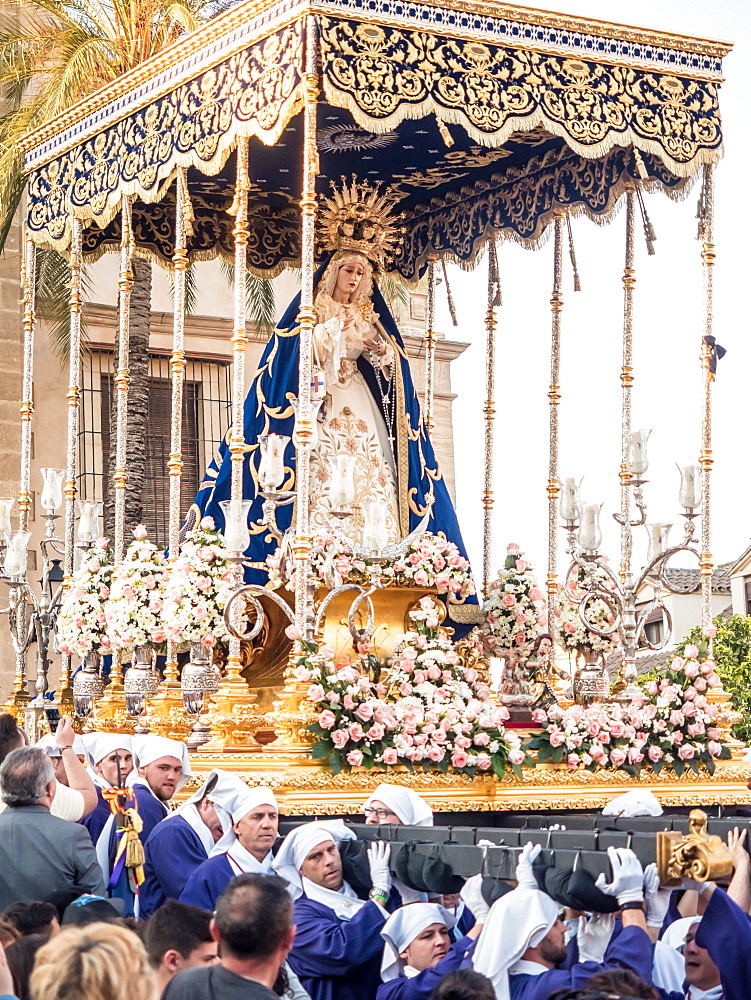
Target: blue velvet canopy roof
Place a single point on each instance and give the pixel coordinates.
(482, 117)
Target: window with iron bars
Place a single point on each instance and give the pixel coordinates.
(206, 417)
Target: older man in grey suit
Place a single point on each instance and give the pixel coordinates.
(39, 852)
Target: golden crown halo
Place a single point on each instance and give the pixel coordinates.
(360, 217)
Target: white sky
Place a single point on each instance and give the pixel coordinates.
(667, 340)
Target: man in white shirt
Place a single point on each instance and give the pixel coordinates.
(75, 794)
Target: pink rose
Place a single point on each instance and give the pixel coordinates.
(459, 758)
(521, 565)
(617, 757)
(651, 688)
(700, 684)
(616, 730)
(508, 601)
(539, 716)
(390, 756)
(421, 578)
(516, 756)
(691, 669)
(710, 631)
(573, 760)
(327, 719)
(405, 690)
(712, 733)
(569, 628)
(364, 712)
(376, 731)
(434, 672)
(686, 752)
(557, 739)
(714, 748)
(356, 732)
(482, 739)
(436, 754)
(293, 632)
(140, 531)
(484, 762)
(520, 638)
(691, 651)
(655, 754)
(316, 693)
(713, 680)
(354, 757)
(339, 738)
(349, 702)
(634, 757)
(534, 594)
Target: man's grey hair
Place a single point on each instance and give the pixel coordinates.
(24, 776)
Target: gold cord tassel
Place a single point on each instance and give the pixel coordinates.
(640, 167)
(649, 233)
(572, 255)
(447, 137)
(449, 296)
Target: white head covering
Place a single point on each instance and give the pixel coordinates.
(517, 921)
(402, 927)
(238, 800)
(675, 933)
(408, 806)
(149, 747)
(225, 785)
(300, 842)
(639, 802)
(97, 746)
(49, 742)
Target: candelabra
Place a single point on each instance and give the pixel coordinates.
(591, 575)
(31, 616)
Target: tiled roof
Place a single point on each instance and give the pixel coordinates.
(646, 659)
(688, 579)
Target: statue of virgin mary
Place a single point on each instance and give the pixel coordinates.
(369, 428)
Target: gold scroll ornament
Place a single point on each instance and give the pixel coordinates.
(696, 855)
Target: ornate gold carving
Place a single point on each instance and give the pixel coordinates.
(697, 855)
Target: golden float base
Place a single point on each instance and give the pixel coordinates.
(307, 788)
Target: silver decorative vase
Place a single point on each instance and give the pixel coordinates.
(140, 680)
(591, 682)
(88, 685)
(199, 678)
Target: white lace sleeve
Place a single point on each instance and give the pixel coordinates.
(327, 341)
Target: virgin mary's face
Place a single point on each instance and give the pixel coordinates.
(348, 280)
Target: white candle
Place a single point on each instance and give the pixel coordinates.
(16, 558)
(658, 539)
(569, 506)
(590, 536)
(271, 470)
(374, 533)
(236, 534)
(342, 488)
(637, 463)
(52, 491)
(688, 495)
(5, 526)
(88, 521)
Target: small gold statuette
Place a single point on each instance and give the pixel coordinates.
(696, 855)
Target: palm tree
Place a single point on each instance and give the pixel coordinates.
(52, 54)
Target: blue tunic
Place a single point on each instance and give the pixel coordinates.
(725, 931)
(421, 986)
(630, 949)
(173, 852)
(151, 811)
(207, 882)
(337, 959)
(96, 820)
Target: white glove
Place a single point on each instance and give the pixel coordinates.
(691, 885)
(628, 877)
(593, 936)
(407, 894)
(656, 898)
(525, 876)
(472, 895)
(379, 854)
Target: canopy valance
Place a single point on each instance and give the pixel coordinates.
(483, 117)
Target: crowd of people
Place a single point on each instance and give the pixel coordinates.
(106, 893)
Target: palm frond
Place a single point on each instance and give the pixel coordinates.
(393, 291)
(52, 288)
(191, 288)
(260, 299)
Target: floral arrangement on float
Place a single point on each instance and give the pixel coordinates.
(134, 608)
(573, 633)
(196, 589)
(429, 711)
(672, 727)
(514, 608)
(431, 561)
(81, 622)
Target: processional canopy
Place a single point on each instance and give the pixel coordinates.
(480, 117)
